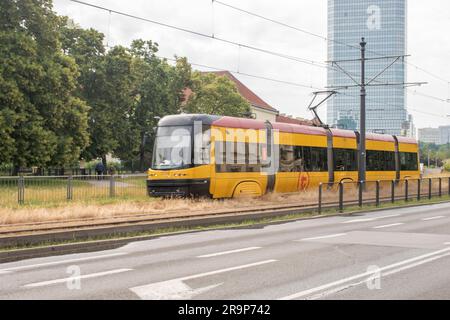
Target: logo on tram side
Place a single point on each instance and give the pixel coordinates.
(303, 181)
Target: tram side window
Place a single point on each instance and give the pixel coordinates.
(380, 160)
(287, 158)
(299, 159)
(345, 160)
(408, 161)
(315, 159)
(389, 158)
(237, 157)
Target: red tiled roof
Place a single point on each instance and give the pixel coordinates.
(245, 92)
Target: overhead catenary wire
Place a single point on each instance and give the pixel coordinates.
(204, 35)
(302, 30)
(297, 59)
(288, 83)
(296, 84)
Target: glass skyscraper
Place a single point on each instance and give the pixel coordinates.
(383, 24)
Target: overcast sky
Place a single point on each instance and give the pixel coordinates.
(428, 44)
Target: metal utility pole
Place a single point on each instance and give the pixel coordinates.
(362, 114)
(363, 84)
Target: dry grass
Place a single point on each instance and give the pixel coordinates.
(117, 208)
(437, 175)
(134, 201)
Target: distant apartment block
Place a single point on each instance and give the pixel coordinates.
(437, 136)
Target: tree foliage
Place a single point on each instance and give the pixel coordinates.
(437, 154)
(65, 96)
(42, 121)
(159, 91)
(213, 94)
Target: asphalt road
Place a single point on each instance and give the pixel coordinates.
(394, 254)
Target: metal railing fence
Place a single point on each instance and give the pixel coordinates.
(54, 189)
(375, 193)
(40, 190)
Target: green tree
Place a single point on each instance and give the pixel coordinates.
(160, 92)
(42, 121)
(108, 83)
(113, 108)
(213, 94)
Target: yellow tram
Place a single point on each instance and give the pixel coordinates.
(225, 157)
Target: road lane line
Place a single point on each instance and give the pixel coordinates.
(87, 276)
(323, 237)
(389, 225)
(361, 275)
(382, 274)
(61, 262)
(371, 219)
(177, 289)
(226, 270)
(228, 252)
(432, 218)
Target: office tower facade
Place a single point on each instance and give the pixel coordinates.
(383, 24)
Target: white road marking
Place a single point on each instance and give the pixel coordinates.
(227, 270)
(389, 225)
(170, 290)
(384, 274)
(323, 237)
(370, 219)
(87, 276)
(176, 289)
(362, 275)
(228, 252)
(31, 266)
(432, 218)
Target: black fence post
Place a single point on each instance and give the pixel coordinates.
(319, 209)
(393, 191)
(440, 187)
(341, 197)
(69, 188)
(21, 190)
(377, 193)
(112, 191)
(418, 189)
(429, 188)
(406, 190)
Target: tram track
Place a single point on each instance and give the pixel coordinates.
(8, 230)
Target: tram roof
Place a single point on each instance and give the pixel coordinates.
(244, 123)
